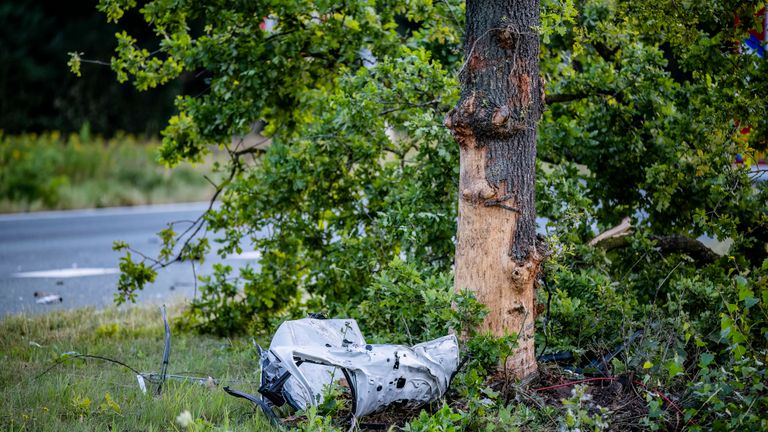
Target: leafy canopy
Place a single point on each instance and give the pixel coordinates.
(647, 101)
(650, 102)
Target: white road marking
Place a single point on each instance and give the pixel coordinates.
(67, 273)
(248, 255)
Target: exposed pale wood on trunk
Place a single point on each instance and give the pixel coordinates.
(497, 255)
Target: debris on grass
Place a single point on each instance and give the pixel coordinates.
(309, 355)
(317, 365)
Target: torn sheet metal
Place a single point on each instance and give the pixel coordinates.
(308, 355)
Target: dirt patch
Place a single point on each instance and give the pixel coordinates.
(623, 396)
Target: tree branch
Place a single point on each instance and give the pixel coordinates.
(570, 97)
(250, 150)
(695, 249)
(561, 98)
(407, 106)
(618, 237)
(619, 231)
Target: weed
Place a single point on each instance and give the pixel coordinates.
(86, 395)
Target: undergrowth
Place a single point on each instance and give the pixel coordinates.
(690, 357)
(679, 349)
(53, 171)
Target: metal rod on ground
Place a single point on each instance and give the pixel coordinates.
(166, 352)
(258, 402)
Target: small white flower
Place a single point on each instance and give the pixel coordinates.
(184, 419)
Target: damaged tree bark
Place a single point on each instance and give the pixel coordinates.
(494, 123)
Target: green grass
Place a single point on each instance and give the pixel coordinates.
(51, 171)
(75, 395)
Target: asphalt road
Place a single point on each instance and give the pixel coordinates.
(69, 253)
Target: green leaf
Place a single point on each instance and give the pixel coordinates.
(705, 359)
(673, 368)
(74, 63)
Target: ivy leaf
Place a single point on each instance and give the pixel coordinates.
(674, 368)
(705, 359)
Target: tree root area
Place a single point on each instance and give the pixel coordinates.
(622, 401)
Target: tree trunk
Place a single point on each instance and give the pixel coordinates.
(494, 123)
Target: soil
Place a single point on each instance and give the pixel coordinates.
(623, 396)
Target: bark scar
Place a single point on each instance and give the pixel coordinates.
(469, 104)
(523, 84)
(458, 120)
(474, 187)
(500, 203)
(523, 273)
(500, 116)
(478, 191)
(507, 38)
(475, 62)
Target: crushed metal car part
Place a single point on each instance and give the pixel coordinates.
(308, 355)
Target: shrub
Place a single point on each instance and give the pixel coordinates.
(51, 171)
